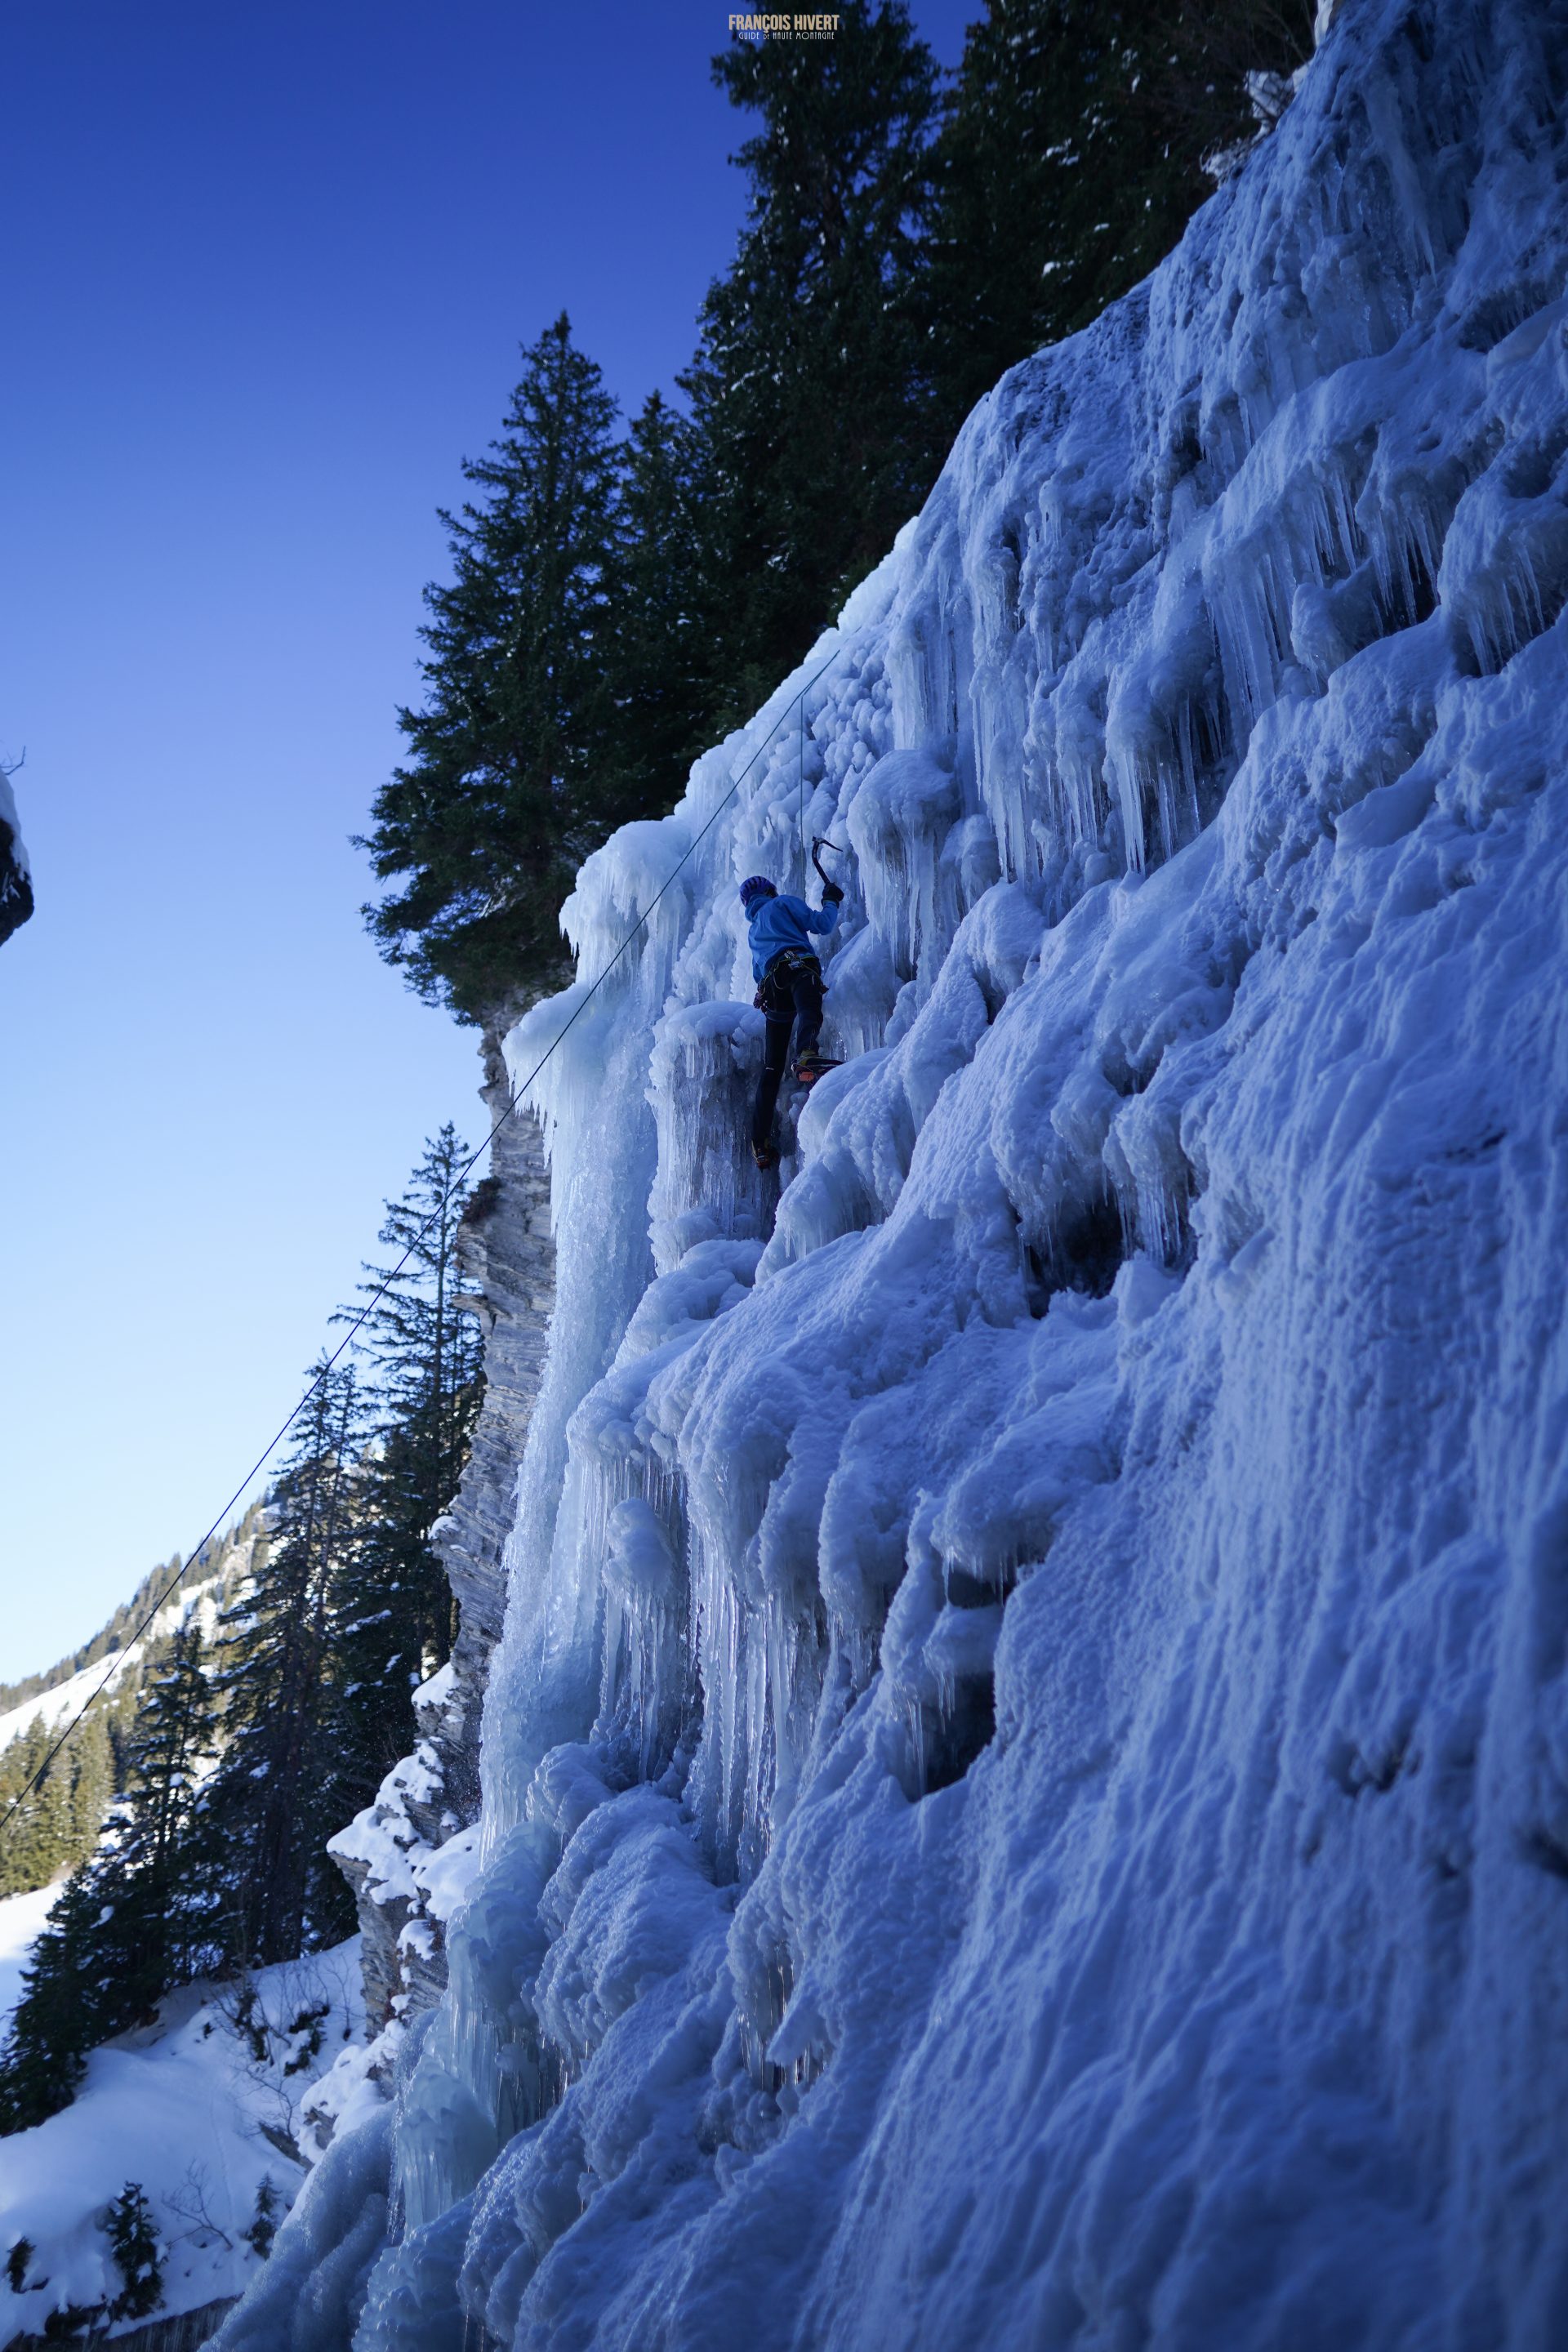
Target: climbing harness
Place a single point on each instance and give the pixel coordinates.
(782, 969)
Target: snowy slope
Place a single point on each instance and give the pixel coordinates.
(185, 2110)
(1028, 1775)
(22, 1917)
(63, 1699)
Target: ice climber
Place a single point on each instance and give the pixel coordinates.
(790, 990)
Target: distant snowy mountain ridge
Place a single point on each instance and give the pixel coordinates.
(63, 1736)
(58, 1701)
(1026, 1775)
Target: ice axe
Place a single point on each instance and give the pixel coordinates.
(821, 842)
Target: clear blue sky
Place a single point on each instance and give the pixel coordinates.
(266, 269)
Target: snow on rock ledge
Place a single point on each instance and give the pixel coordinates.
(409, 1855)
(387, 1853)
(1026, 1780)
(15, 875)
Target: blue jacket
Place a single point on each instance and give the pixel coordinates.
(785, 922)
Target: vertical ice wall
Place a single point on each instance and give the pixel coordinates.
(1027, 1782)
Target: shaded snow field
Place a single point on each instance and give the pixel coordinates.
(179, 2111)
(186, 2109)
(1027, 1795)
(21, 1919)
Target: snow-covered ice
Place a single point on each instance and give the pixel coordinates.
(1027, 1778)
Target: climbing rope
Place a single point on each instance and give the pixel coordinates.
(516, 1095)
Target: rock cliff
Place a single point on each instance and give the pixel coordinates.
(430, 1800)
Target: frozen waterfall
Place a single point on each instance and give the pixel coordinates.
(1027, 1778)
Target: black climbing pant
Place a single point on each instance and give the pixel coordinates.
(791, 994)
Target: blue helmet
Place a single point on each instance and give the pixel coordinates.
(755, 887)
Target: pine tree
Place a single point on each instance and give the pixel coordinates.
(91, 1768)
(497, 804)
(136, 2254)
(158, 1870)
(1071, 161)
(660, 650)
(66, 1998)
(37, 1837)
(806, 387)
(262, 2227)
(62, 1798)
(277, 1793)
(132, 1921)
(392, 1609)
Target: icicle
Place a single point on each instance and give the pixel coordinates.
(702, 1082)
(898, 821)
(644, 1680)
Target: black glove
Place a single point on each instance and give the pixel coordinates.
(832, 896)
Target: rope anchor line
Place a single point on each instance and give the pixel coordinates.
(515, 1097)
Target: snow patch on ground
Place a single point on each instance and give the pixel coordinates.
(22, 1917)
(199, 2111)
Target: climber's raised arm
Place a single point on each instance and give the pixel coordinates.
(821, 919)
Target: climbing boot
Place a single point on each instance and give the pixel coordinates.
(765, 1156)
(811, 1067)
